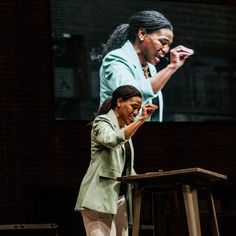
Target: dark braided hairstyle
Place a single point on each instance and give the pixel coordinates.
(125, 92)
(149, 20)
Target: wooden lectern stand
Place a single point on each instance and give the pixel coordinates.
(187, 180)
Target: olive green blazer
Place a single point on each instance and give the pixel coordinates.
(99, 189)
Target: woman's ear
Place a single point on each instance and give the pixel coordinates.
(119, 101)
(142, 34)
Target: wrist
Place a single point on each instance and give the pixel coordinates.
(172, 67)
(141, 120)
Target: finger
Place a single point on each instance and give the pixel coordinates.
(184, 55)
(151, 105)
(181, 48)
(151, 109)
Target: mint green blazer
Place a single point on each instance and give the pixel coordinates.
(121, 67)
(99, 189)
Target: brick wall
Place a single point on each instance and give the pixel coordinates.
(42, 160)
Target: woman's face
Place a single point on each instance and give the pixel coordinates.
(127, 110)
(154, 45)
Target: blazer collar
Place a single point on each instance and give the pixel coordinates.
(131, 54)
(134, 59)
(113, 118)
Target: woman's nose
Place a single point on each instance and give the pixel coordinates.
(136, 111)
(165, 49)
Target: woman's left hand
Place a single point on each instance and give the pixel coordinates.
(178, 55)
(147, 110)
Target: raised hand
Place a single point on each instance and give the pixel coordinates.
(147, 110)
(178, 55)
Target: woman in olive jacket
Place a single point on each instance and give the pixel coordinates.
(101, 200)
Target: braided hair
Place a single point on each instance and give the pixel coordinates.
(149, 20)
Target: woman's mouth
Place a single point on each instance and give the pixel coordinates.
(131, 118)
(157, 60)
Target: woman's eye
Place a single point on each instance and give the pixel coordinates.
(134, 108)
(164, 42)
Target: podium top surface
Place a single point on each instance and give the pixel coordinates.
(194, 174)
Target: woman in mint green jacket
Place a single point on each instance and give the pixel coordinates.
(101, 200)
(133, 51)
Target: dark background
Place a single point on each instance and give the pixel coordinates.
(42, 160)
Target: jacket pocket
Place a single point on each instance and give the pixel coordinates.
(109, 173)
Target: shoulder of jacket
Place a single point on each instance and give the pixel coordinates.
(117, 54)
(103, 117)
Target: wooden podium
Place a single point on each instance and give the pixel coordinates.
(188, 181)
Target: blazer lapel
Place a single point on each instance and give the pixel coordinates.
(113, 118)
(133, 59)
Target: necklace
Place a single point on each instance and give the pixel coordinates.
(146, 71)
